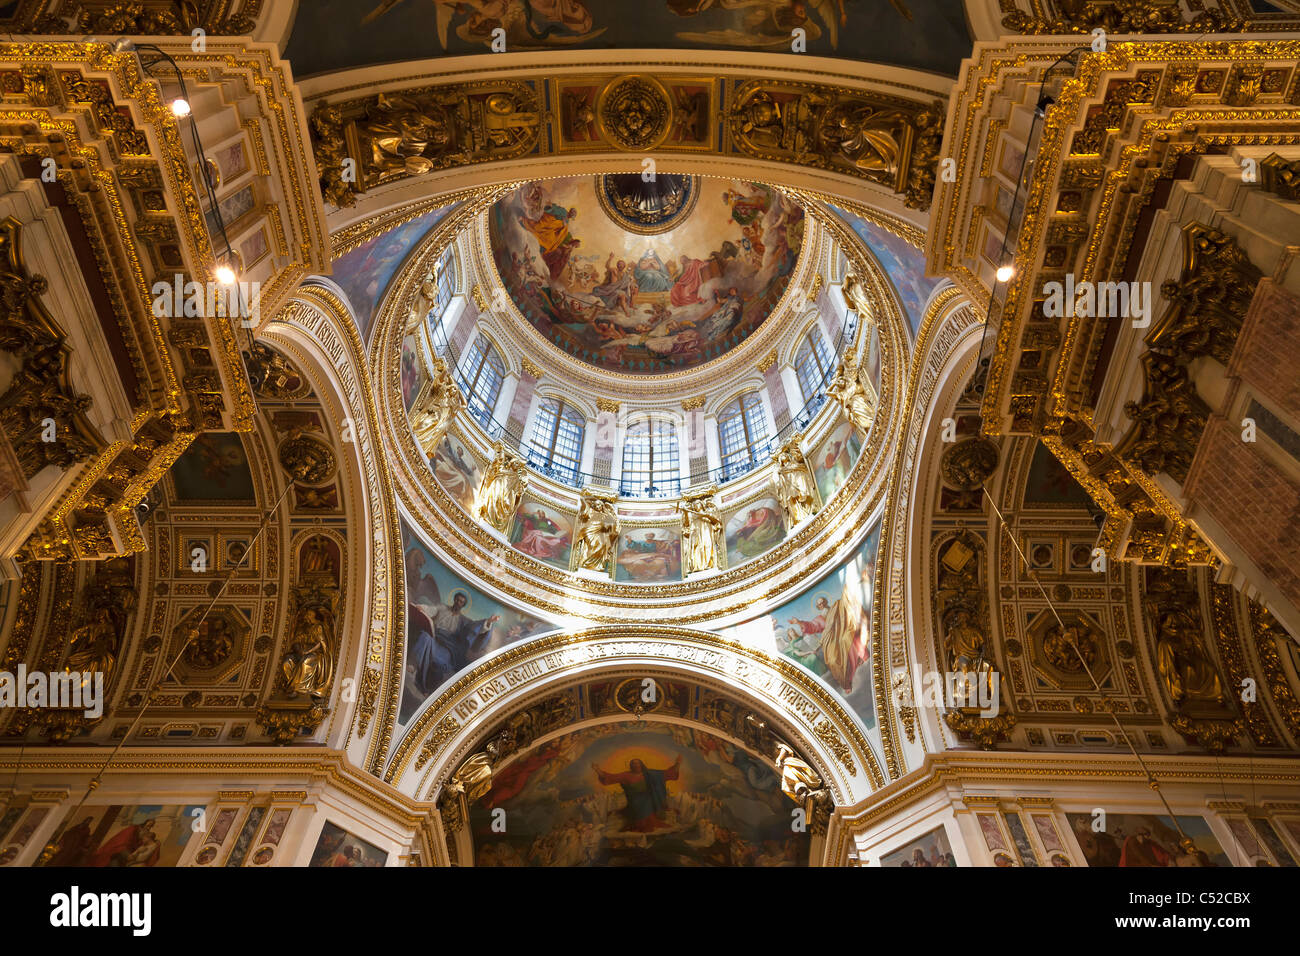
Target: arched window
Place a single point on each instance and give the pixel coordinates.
(650, 459)
(556, 441)
(742, 432)
(446, 279)
(814, 364)
(481, 375)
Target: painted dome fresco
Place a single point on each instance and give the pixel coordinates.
(645, 277)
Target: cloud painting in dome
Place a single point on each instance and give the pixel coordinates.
(632, 302)
(827, 629)
(338, 34)
(457, 470)
(627, 794)
(902, 262)
(364, 273)
(449, 624)
(543, 532)
(834, 458)
(649, 555)
(213, 468)
(753, 529)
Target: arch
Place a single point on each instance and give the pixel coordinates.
(797, 707)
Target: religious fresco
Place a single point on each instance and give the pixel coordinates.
(457, 471)
(753, 529)
(413, 374)
(932, 849)
(1050, 482)
(640, 301)
(1145, 839)
(338, 34)
(140, 835)
(213, 468)
(364, 273)
(827, 629)
(649, 555)
(543, 532)
(901, 261)
(832, 461)
(338, 847)
(637, 794)
(449, 624)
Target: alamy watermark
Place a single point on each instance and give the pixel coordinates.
(65, 690)
(1125, 300)
(181, 299)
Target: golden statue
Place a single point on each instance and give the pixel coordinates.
(794, 483)
(402, 135)
(503, 485)
(701, 529)
(474, 778)
(597, 532)
(1185, 670)
(94, 645)
(855, 294)
(425, 300)
(855, 397)
(799, 781)
(309, 666)
(437, 408)
(967, 651)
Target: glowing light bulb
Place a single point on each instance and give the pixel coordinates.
(180, 107)
(1005, 273)
(225, 274)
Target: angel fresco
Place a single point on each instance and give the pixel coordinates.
(526, 23)
(769, 22)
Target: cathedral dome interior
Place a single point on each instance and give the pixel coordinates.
(853, 433)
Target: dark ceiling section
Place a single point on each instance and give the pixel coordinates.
(340, 34)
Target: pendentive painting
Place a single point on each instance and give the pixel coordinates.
(644, 277)
(629, 794)
(142, 835)
(1145, 839)
(901, 261)
(364, 273)
(449, 624)
(932, 849)
(828, 629)
(543, 532)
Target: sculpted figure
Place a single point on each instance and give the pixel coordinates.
(597, 532)
(309, 665)
(1186, 671)
(967, 649)
(701, 528)
(794, 484)
(855, 397)
(503, 486)
(433, 416)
